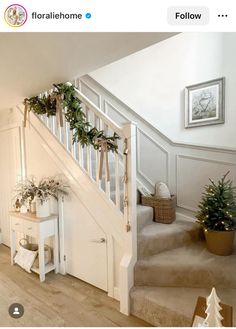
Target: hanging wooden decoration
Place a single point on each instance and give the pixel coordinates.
(125, 179)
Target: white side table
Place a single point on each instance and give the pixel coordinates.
(39, 228)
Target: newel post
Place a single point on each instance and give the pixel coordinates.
(130, 219)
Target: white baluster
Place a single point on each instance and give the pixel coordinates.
(81, 155)
(54, 125)
(117, 173)
(89, 161)
(47, 122)
(98, 154)
(73, 145)
(107, 183)
(65, 133)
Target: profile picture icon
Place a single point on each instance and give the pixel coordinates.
(16, 310)
(15, 15)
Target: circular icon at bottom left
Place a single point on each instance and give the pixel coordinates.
(16, 310)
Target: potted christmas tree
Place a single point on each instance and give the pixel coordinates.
(217, 215)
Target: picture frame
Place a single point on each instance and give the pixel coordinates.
(205, 103)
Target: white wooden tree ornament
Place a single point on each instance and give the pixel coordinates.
(214, 317)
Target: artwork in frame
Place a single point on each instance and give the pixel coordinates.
(205, 104)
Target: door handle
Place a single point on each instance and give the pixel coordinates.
(102, 240)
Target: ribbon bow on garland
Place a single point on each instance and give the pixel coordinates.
(26, 112)
(64, 96)
(59, 109)
(103, 145)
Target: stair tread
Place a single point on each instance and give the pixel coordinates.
(157, 237)
(142, 210)
(186, 213)
(178, 226)
(194, 254)
(171, 306)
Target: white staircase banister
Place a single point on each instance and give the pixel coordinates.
(105, 118)
(114, 179)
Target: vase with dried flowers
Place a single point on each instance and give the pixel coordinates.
(28, 192)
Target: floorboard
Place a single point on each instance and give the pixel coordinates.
(60, 301)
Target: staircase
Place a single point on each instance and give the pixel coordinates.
(174, 268)
(167, 266)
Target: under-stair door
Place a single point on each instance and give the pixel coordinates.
(10, 171)
(86, 249)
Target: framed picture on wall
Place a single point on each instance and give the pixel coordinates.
(205, 103)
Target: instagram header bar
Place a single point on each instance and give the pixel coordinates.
(116, 16)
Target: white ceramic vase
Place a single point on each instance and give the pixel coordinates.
(23, 209)
(42, 209)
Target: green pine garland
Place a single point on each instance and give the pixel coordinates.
(74, 115)
(218, 206)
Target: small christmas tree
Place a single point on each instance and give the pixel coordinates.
(214, 317)
(218, 206)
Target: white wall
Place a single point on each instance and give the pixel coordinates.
(81, 228)
(47, 58)
(10, 173)
(160, 160)
(79, 225)
(152, 83)
(7, 117)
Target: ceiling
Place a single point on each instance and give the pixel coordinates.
(31, 62)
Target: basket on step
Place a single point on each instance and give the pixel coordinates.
(164, 209)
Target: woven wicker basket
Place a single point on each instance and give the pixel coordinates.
(34, 247)
(164, 209)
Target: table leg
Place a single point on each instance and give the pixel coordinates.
(56, 248)
(41, 260)
(13, 246)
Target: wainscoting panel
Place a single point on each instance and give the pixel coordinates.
(10, 173)
(186, 168)
(193, 174)
(115, 114)
(90, 93)
(152, 162)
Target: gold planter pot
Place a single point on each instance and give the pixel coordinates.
(220, 242)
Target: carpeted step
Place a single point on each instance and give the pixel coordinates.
(144, 216)
(158, 237)
(188, 266)
(173, 307)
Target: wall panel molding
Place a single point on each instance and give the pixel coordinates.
(192, 174)
(162, 153)
(171, 161)
(83, 86)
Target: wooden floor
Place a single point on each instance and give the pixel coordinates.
(60, 301)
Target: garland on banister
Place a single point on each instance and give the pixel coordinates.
(64, 97)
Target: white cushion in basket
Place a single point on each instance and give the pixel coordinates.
(162, 191)
(25, 258)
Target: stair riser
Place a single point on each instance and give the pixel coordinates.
(157, 315)
(198, 277)
(144, 217)
(148, 246)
